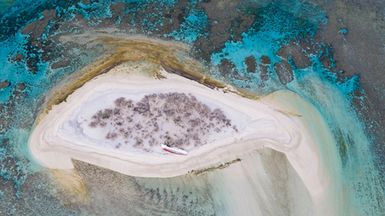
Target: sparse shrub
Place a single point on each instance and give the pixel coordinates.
(191, 122)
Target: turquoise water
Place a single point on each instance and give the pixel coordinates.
(274, 25)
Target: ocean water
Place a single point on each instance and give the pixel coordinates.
(33, 60)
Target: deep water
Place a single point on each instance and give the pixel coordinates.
(33, 60)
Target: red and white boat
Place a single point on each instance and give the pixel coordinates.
(173, 150)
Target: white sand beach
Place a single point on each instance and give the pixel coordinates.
(60, 135)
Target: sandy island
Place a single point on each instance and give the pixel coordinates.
(263, 123)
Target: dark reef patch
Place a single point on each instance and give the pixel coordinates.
(251, 64)
(284, 72)
(295, 52)
(4, 84)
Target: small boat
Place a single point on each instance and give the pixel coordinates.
(173, 150)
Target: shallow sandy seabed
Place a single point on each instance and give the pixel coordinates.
(262, 123)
